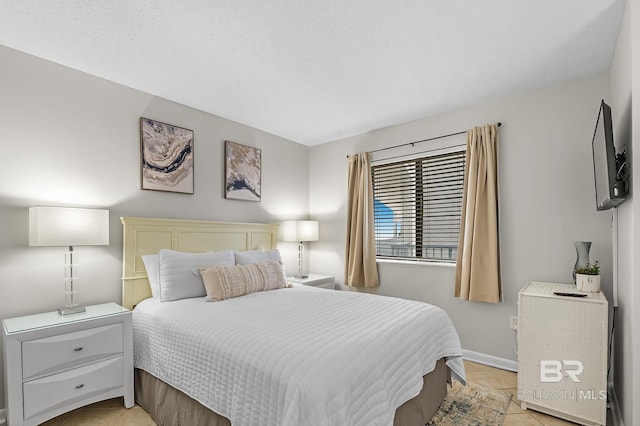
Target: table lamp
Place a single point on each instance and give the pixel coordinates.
(301, 231)
(68, 226)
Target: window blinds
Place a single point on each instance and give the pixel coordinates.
(417, 207)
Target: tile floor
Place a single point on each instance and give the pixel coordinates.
(112, 413)
(506, 381)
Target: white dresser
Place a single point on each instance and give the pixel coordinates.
(562, 352)
(54, 364)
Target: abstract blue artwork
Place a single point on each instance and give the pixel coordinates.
(166, 157)
(243, 168)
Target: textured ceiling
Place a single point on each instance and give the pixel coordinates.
(314, 71)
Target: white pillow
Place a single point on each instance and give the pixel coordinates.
(177, 280)
(153, 272)
(257, 256)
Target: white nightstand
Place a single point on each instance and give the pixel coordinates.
(315, 280)
(54, 364)
(562, 352)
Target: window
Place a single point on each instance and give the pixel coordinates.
(417, 207)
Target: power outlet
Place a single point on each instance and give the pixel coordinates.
(513, 323)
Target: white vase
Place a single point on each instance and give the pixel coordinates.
(588, 283)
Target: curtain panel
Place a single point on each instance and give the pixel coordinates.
(478, 264)
(360, 253)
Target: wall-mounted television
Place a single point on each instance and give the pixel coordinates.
(611, 185)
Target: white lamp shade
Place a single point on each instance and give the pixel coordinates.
(300, 230)
(68, 226)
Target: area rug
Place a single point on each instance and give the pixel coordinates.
(471, 405)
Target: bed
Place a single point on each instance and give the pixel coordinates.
(291, 356)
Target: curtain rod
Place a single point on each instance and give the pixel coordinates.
(425, 140)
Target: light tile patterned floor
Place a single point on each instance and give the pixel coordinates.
(112, 413)
(506, 381)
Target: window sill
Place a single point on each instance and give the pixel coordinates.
(416, 262)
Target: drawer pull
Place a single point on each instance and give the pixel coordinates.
(80, 386)
(78, 349)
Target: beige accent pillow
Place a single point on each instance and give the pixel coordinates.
(224, 282)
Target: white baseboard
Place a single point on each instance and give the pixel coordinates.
(3, 417)
(614, 407)
(493, 361)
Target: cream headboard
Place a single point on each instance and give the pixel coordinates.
(146, 236)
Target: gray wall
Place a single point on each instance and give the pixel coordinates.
(547, 202)
(625, 86)
(72, 139)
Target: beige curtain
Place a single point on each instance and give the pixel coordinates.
(478, 265)
(360, 256)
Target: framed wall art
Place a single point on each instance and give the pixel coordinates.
(166, 153)
(243, 172)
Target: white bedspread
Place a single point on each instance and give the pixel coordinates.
(296, 356)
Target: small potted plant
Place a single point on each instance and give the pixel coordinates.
(588, 278)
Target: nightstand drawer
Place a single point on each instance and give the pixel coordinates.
(329, 286)
(48, 392)
(315, 280)
(68, 350)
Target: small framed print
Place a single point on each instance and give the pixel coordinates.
(166, 153)
(243, 172)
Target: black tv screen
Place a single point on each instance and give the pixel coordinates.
(610, 188)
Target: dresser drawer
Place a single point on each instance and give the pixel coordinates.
(64, 388)
(68, 350)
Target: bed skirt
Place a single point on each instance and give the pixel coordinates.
(168, 406)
